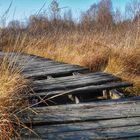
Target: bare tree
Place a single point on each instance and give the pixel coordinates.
(68, 15)
(89, 18)
(92, 12)
(15, 24)
(105, 13)
(132, 9)
(38, 23)
(55, 9)
(117, 16)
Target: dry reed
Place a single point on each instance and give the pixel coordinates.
(12, 86)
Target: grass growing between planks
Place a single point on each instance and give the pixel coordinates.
(12, 86)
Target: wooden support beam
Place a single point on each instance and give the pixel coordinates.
(106, 94)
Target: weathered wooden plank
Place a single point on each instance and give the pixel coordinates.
(77, 78)
(82, 90)
(83, 112)
(73, 83)
(132, 132)
(37, 67)
(84, 126)
(100, 124)
(35, 63)
(96, 104)
(130, 100)
(56, 66)
(54, 72)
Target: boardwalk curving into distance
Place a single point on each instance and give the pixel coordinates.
(94, 116)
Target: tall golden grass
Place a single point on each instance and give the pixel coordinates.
(12, 86)
(114, 51)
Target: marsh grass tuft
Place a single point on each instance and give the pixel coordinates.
(12, 86)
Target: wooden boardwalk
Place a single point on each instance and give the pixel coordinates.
(92, 118)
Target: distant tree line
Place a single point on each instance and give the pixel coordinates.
(99, 16)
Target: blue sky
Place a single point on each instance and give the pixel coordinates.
(24, 8)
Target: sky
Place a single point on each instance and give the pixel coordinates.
(22, 9)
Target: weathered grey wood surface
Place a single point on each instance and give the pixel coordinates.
(110, 119)
(118, 119)
(122, 133)
(84, 112)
